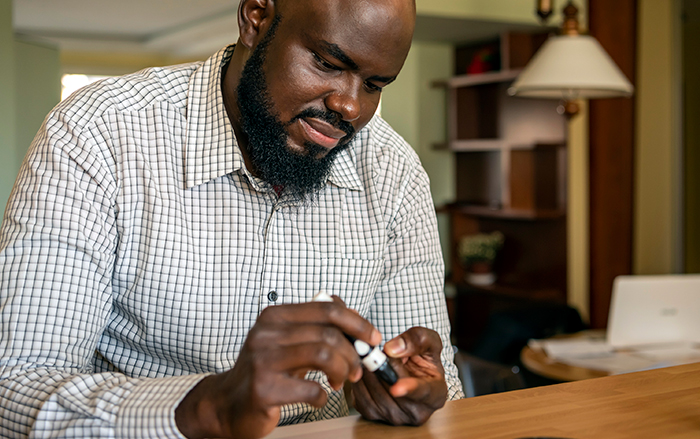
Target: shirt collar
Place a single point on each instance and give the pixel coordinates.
(344, 169)
(212, 150)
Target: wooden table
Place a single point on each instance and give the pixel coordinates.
(537, 361)
(656, 404)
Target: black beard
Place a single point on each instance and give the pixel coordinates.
(301, 176)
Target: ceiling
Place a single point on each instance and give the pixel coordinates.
(171, 27)
(180, 28)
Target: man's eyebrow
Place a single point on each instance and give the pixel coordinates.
(384, 79)
(336, 52)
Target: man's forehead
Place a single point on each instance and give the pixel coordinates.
(375, 21)
(369, 11)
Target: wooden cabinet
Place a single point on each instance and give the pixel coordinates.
(510, 158)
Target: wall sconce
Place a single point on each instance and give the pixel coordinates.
(571, 66)
(545, 9)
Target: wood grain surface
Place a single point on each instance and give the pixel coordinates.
(659, 404)
(537, 361)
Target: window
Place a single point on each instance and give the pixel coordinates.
(72, 82)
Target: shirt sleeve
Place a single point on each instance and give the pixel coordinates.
(57, 250)
(412, 292)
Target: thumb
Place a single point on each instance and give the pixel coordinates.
(415, 341)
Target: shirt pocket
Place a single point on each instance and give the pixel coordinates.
(353, 280)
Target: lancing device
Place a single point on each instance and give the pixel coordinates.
(372, 357)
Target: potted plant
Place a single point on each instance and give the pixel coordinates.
(477, 254)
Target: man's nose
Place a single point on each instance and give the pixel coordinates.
(345, 100)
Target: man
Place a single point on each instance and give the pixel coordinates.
(169, 229)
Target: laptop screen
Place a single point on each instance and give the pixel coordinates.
(647, 310)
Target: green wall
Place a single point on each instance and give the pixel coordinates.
(8, 160)
(30, 86)
(38, 81)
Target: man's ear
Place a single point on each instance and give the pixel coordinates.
(254, 18)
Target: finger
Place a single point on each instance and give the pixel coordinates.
(267, 336)
(409, 387)
(415, 341)
(430, 392)
(374, 402)
(287, 390)
(325, 313)
(365, 404)
(310, 356)
(379, 390)
(292, 334)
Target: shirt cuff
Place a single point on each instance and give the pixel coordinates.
(149, 411)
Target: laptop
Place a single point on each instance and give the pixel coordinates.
(654, 310)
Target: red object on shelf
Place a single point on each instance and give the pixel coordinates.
(482, 61)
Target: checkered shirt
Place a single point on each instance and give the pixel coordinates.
(137, 251)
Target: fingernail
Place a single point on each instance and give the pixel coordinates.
(376, 337)
(398, 393)
(356, 376)
(395, 347)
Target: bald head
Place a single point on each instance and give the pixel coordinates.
(392, 21)
(389, 20)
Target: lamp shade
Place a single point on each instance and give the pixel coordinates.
(571, 67)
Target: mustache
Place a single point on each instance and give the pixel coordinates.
(326, 116)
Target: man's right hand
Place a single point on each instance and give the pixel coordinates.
(286, 342)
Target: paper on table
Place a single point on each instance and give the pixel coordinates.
(615, 362)
(565, 348)
(670, 352)
(625, 362)
(597, 354)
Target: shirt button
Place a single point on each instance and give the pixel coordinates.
(272, 296)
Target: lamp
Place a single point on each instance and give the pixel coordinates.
(544, 9)
(571, 66)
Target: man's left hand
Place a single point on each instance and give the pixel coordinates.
(421, 388)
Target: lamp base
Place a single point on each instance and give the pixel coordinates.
(568, 109)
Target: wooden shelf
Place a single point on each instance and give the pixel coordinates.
(510, 176)
(476, 145)
(493, 145)
(478, 79)
(543, 294)
(516, 214)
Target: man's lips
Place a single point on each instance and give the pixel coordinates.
(322, 133)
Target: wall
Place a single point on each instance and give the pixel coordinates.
(30, 85)
(8, 169)
(657, 145)
(115, 64)
(691, 134)
(38, 82)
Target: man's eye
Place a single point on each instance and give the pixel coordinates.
(374, 88)
(325, 64)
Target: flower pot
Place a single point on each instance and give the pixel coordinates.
(480, 273)
(481, 278)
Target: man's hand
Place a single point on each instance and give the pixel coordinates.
(421, 388)
(286, 342)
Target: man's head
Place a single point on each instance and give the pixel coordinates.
(306, 76)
